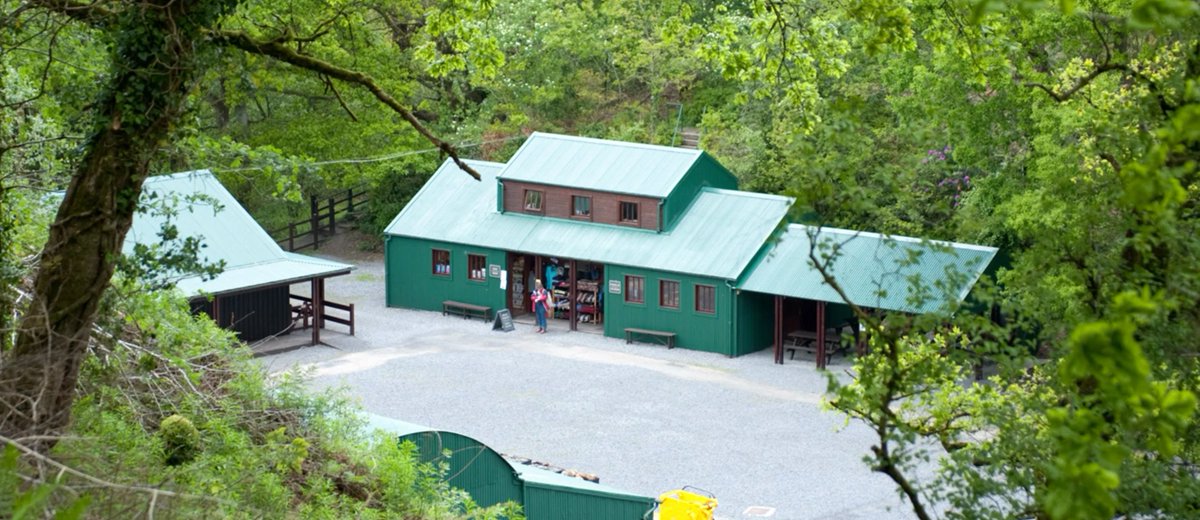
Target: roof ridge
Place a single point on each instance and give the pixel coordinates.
(898, 238)
(611, 142)
(752, 194)
(179, 175)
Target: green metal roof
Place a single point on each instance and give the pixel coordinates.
(252, 258)
(598, 164)
(718, 235)
(550, 479)
(874, 270)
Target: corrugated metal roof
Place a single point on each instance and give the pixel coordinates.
(252, 258)
(547, 478)
(598, 164)
(874, 270)
(718, 236)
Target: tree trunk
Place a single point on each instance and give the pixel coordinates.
(153, 67)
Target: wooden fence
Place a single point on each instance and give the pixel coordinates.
(322, 220)
(302, 314)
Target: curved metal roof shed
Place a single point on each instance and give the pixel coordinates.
(491, 479)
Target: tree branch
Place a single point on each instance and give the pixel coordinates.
(89, 12)
(332, 88)
(1083, 82)
(290, 56)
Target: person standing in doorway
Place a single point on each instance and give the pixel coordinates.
(541, 305)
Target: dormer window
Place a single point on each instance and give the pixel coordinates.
(533, 201)
(581, 207)
(629, 212)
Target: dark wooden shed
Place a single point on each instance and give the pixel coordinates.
(252, 295)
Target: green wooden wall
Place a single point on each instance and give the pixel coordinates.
(755, 322)
(694, 330)
(411, 283)
(705, 172)
(546, 502)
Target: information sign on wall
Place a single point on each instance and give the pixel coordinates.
(614, 286)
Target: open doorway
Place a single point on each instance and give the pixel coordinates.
(522, 271)
(575, 285)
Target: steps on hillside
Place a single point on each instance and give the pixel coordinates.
(690, 138)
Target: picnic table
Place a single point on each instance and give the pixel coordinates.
(806, 341)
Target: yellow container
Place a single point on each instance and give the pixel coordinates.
(685, 505)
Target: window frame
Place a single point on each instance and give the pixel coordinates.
(434, 262)
(662, 293)
(641, 289)
(575, 208)
(541, 195)
(637, 211)
(482, 267)
(712, 298)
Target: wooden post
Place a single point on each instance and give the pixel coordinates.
(216, 310)
(332, 229)
(350, 200)
(351, 319)
(778, 330)
(292, 236)
(821, 335)
(315, 300)
(571, 295)
(313, 212)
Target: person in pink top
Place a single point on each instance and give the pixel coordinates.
(541, 305)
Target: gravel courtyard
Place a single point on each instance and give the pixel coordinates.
(642, 418)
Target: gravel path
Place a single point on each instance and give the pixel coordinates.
(645, 419)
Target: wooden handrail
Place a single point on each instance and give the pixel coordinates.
(349, 308)
(307, 233)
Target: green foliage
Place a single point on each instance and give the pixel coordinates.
(19, 501)
(180, 438)
(173, 400)
(1118, 408)
(390, 195)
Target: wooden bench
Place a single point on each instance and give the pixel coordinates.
(466, 310)
(668, 336)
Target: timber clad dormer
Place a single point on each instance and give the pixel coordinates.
(579, 204)
(610, 182)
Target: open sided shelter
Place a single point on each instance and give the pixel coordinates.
(251, 296)
(873, 271)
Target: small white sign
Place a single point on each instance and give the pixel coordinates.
(614, 286)
(494, 270)
(503, 280)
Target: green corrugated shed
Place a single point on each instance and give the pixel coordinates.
(490, 479)
(602, 165)
(454, 208)
(252, 258)
(874, 270)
